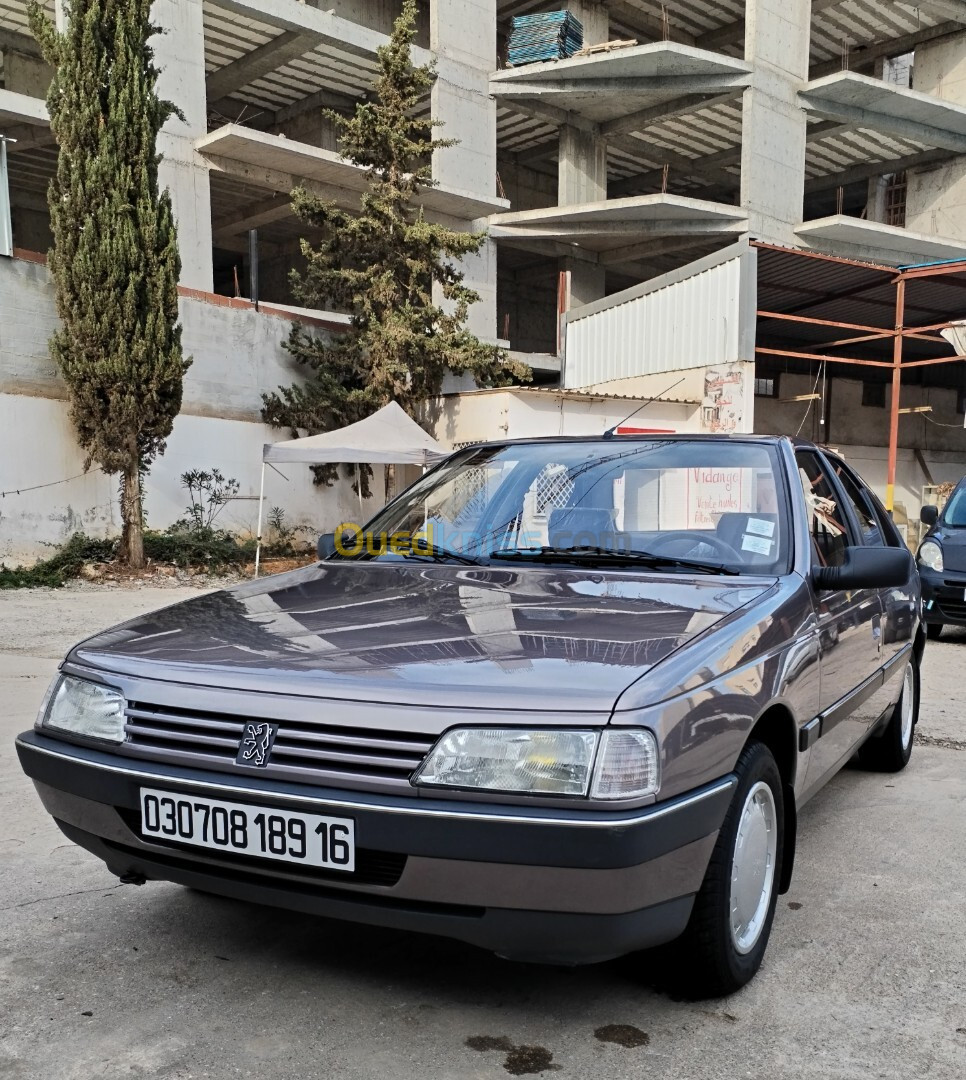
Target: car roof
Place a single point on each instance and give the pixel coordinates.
(536, 440)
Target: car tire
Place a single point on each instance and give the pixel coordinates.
(890, 751)
(934, 630)
(723, 945)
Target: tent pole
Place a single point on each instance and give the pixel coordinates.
(258, 531)
(362, 512)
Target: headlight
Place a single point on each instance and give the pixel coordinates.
(931, 555)
(85, 708)
(545, 762)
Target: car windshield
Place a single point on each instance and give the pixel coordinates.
(701, 505)
(955, 513)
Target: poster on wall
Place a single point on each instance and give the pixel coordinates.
(723, 403)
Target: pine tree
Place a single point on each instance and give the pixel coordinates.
(380, 267)
(115, 259)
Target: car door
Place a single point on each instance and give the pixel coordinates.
(900, 604)
(849, 622)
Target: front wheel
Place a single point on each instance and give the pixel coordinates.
(726, 937)
(934, 630)
(890, 751)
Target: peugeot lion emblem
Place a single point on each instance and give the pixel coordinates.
(256, 744)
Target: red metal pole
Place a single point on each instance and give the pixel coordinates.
(896, 384)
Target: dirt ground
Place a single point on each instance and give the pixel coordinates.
(865, 974)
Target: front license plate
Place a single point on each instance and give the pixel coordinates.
(287, 835)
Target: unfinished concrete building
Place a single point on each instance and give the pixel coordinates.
(836, 126)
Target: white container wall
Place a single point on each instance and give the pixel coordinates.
(701, 315)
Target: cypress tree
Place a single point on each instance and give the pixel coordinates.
(380, 266)
(114, 262)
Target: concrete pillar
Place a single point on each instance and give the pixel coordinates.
(593, 17)
(586, 281)
(582, 169)
(581, 178)
(26, 74)
(936, 195)
(875, 207)
(180, 54)
(773, 122)
(582, 163)
(465, 46)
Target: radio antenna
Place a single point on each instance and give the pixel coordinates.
(610, 432)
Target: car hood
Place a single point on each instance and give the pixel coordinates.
(426, 634)
(953, 542)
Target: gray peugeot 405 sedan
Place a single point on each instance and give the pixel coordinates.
(562, 698)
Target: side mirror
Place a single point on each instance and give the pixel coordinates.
(867, 568)
(929, 514)
(326, 545)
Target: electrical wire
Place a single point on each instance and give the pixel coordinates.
(925, 416)
(53, 483)
(811, 402)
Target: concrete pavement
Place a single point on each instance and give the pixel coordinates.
(865, 974)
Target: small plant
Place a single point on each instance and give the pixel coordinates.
(208, 492)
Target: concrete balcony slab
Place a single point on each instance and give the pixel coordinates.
(607, 87)
(24, 121)
(276, 163)
(613, 224)
(872, 241)
(872, 103)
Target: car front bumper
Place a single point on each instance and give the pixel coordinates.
(943, 596)
(555, 886)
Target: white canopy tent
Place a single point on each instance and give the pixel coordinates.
(388, 437)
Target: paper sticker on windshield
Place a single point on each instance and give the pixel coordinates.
(760, 527)
(758, 544)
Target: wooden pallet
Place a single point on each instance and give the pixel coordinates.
(606, 46)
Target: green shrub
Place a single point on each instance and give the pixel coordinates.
(60, 567)
(212, 550)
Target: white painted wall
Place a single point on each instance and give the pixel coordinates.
(237, 355)
(482, 415)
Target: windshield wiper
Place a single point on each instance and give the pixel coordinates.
(438, 554)
(601, 554)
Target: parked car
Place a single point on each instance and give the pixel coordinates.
(563, 699)
(942, 563)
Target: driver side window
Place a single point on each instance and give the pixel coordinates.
(827, 522)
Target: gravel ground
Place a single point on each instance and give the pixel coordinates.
(865, 975)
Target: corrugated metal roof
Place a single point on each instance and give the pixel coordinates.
(577, 394)
(799, 283)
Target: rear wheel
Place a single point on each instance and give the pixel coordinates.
(890, 751)
(934, 630)
(723, 945)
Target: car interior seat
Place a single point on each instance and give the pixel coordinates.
(579, 526)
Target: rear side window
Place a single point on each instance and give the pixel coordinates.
(876, 525)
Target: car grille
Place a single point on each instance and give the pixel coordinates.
(313, 752)
(372, 867)
(954, 610)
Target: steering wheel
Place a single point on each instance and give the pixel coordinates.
(682, 536)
